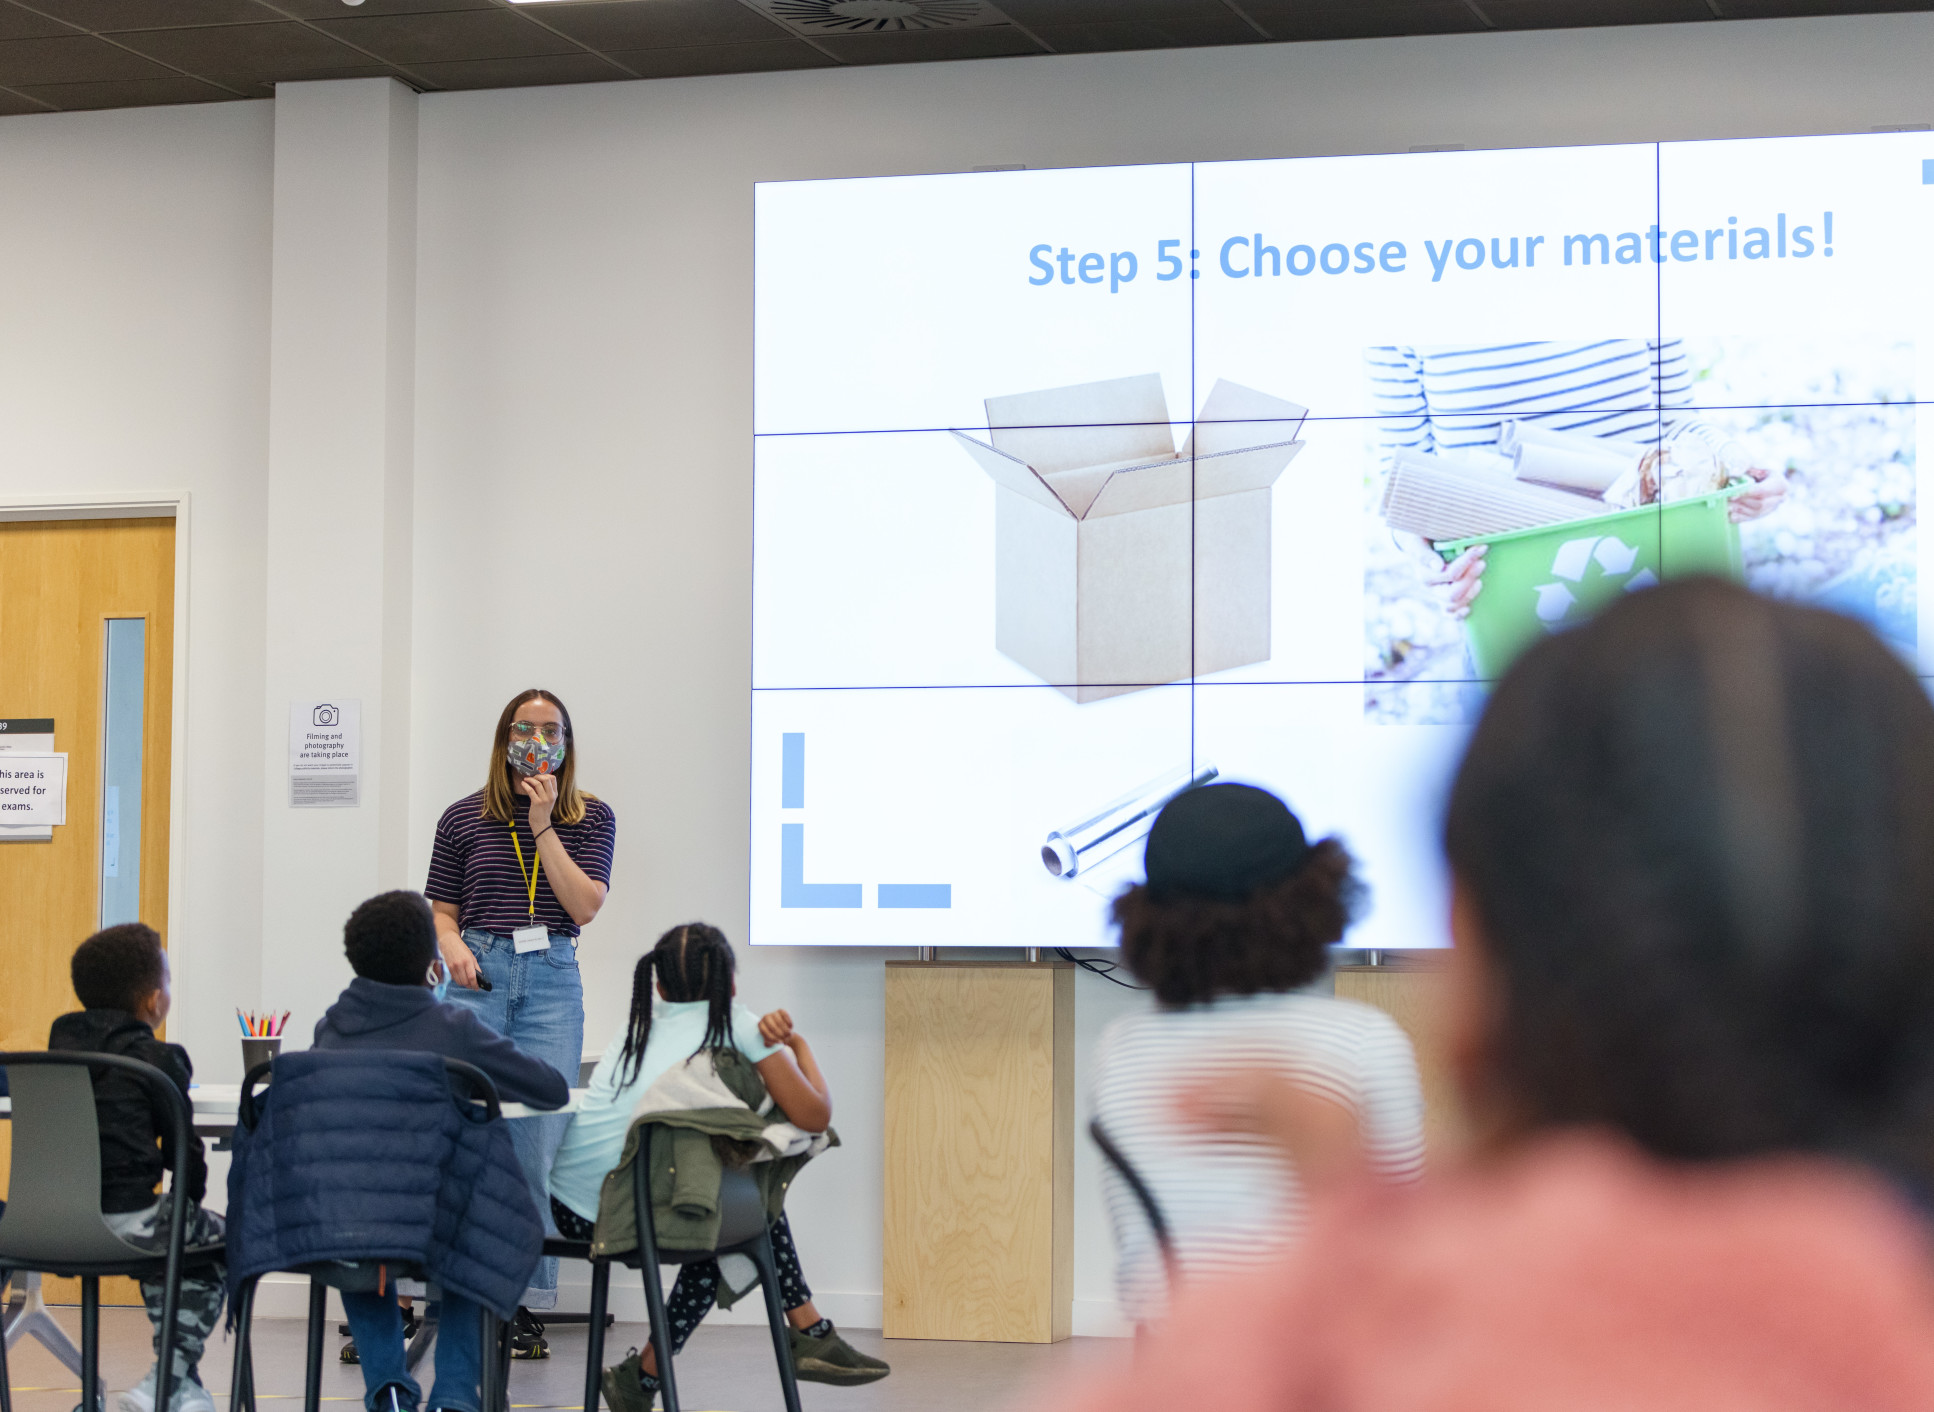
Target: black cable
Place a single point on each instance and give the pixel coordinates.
(1103, 969)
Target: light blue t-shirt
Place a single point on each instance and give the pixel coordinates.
(596, 1138)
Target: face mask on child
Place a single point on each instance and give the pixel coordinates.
(534, 754)
(439, 978)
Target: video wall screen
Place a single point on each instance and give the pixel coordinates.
(1074, 488)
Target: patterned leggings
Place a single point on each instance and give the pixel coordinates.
(698, 1283)
(199, 1307)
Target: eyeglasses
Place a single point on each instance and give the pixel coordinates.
(530, 730)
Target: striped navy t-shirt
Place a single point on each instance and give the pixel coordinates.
(1458, 398)
(474, 865)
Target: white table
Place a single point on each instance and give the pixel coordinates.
(216, 1107)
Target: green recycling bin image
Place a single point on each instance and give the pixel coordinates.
(1538, 581)
(1511, 490)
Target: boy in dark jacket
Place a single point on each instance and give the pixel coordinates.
(396, 1002)
(121, 976)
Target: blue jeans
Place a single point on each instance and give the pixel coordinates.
(377, 1325)
(537, 1002)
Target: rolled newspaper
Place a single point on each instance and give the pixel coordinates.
(1079, 848)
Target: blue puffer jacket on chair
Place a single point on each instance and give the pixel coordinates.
(368, 1154)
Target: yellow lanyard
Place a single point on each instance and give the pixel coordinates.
(530, 878)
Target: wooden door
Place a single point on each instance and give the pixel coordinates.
(60, 583)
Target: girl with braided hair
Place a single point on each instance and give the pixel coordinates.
(683, 1002)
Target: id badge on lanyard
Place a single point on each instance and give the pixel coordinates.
(535, 937)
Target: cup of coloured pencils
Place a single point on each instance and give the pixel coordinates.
(261, 1037)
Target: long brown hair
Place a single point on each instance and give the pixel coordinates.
(500, 790)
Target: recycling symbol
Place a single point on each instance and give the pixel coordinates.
(1614, 558)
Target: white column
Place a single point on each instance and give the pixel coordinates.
(341, 430)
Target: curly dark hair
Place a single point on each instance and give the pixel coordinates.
(1697, 833)
(117, 967)
(1189, 949)
(391, 938)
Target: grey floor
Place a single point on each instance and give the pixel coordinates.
(725, 1368)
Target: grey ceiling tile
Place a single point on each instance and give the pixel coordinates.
(13, 104)
(1145, 34)
(19, 23)
(1576, 14)
(921, 46)
(1779, 9)
(448, 36)
(578, 67)
(659, 22)
(150, 14)
(335, 9)
(126, 93)
(1098, 12)
(1363, 19)
(684, 61)
(280, 50)
(76, 58)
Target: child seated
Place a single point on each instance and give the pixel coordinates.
(694, 1011)
(396, 1002)
(121, 976)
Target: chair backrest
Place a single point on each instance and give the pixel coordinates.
(742, 1206)
(54, 1194)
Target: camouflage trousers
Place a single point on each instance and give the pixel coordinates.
(199, 1308)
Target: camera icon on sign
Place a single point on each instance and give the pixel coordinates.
(326, 715)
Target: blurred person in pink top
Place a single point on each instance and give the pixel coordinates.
(1692, 1018)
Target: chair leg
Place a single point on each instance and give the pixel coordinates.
(661, 1335)
(91, 1343)
(6, 1378)
(312, 1374)
(241, 1392)
(761, 1253)
(594, 1356)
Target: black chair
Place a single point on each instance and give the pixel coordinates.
(53, 1221)
(355, 1277)
(743, 1230)
(1151, 1209)
(600, 1299)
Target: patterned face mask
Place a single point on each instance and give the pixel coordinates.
(535, 755)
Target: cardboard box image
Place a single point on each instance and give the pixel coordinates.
(1094, 508)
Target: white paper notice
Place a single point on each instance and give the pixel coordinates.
(33, 788)
(34, 734)
(325, 753)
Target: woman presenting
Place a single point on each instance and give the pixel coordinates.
(518, 869)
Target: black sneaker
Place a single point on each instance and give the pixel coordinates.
(624, 1389)
(527, 1337)
(349, 1353)
(832, 1359)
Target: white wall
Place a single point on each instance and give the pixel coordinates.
(134, 325)
(583, 431)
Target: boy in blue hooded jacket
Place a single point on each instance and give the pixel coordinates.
(396, 1002)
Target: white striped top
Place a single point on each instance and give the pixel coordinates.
(1231, 1201)
(1458, 398)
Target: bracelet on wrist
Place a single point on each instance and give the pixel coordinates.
(548, 828)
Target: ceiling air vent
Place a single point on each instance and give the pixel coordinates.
(833, 17)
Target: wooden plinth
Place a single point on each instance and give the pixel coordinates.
(1413, 993)
(979, 1238)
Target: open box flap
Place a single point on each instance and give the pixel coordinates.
(1090, 424)
(1142, 488)
(1237, 418)
(1252, 468)
(1017, 477)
